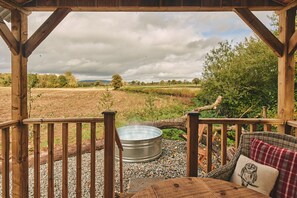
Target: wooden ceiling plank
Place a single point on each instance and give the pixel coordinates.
(261, 30)
(280, 2)
(293, 43)
(153, 5)
(44, 30)
(11, 5)
(8, 37)
(292, 5)
(153, 8)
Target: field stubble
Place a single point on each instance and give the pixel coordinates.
(68, 102)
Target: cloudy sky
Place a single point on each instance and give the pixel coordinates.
(138, 46)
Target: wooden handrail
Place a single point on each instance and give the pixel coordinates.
(61, 120)
(292, 123)
(8, 124)
(240, 121)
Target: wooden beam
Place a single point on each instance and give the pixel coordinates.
(8, 37)
(11, 5)
(153, 5)
(259, 28)
(280, 2)
(293, 43)
(19, 23)
(44, 30)
(290, 6)
(286, 70)
(227, 8)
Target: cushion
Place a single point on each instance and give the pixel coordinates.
(254, 175)
(283, 160)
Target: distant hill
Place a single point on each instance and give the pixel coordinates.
(92, 81)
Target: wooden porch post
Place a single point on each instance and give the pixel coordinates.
(19, 28)
(286, 69)
(192, 144)
(109, 153)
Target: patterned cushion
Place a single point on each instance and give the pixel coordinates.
(283, 160)
(254, 175)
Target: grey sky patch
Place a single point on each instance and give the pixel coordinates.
(138, 46)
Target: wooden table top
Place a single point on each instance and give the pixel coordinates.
(196, 187)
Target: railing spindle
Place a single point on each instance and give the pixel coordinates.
(121, 171)
(51, 187)
(120, 147)
(93, 159)
(253, 128)
(224, 144)
(65, 160)
(209, 148)
(238, 132)
(78, 158)
(267, 127)
(36, 141)
(5, 161)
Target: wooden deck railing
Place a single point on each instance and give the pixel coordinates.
(111, 139)
(52, 126)
(51, 122)
(193, 123)
(5, 154)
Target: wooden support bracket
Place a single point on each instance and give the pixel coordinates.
(11, 5)
(293, 43)
(44, 30)
(292, 5)
(259, 28)
(8, 37)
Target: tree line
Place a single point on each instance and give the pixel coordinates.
(245, 74)
(195, 81)
(43, 80)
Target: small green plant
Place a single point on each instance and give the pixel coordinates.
(150, 106)
(106, 100)
(32, 81)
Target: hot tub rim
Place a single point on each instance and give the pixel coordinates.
(146, 139)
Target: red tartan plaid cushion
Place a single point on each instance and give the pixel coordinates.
(284, 160)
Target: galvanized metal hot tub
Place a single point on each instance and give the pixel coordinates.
(141, 143)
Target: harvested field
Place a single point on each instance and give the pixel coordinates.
(181, 91)
(82, 102)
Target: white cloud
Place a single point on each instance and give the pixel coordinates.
(139, 46)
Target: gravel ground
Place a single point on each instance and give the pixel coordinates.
(171, 164)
